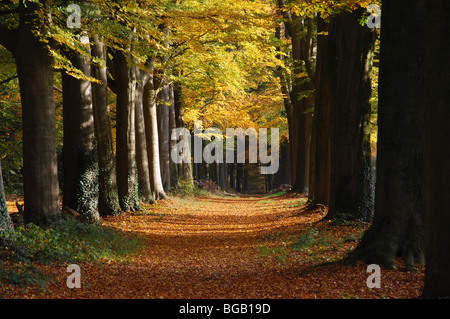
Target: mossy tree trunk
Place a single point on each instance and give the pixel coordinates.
(125, 134)
(80, 191)
(108, 201)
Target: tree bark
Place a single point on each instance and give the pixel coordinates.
(6, 224)
(320, 159)
(162, 111)
(151, 133)
(184, 169)
(35, 73)
(141, 142)
(299, 99)
(436, 150)
(108, 201)
(174, 174)
(397, 228)
(79, 151)
(351, 46)
(125, 132)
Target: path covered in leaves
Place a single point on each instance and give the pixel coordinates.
(248, 247)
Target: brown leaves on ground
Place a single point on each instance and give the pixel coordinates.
(248, 247)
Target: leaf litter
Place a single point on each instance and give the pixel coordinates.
(216, 247)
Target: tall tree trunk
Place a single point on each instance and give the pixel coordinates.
(108, 201)
(151, 133)
(436, 150)
(141, 142)
(184, 169)
(397, 228)
(174, 174)
(35, 72)
(79, 151)
(351, 46)
(6, 224)
(162, 111)
(301, 100)
(125, 132)
(319, 190)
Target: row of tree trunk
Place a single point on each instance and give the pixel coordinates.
(327, 100)
(100, 178)
(410, 199)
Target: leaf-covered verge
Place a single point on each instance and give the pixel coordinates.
(221, 247)
(24, 252)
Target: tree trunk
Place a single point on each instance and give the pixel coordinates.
(6, 224)
(125, 132)
(184, 169)
(79, 151)
(141, 142)
(299, 99)
(302, 100)
(351, 46)
(162, 109)
(35, 73)
(174, 174)
(397, 228)
(108, 201)
(319, 190)
(151, 133)
(436, 150)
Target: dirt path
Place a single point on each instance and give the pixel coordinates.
(251, 247)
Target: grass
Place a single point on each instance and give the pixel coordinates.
(70, 241)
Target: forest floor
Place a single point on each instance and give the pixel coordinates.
(224, 247)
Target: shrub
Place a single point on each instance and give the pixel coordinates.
(69, 241)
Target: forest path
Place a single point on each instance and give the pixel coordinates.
(247, 247)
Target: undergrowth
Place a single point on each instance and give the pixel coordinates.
(70, 241)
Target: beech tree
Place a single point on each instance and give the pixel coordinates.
(35, 71)
(299, 99)
(126, 80)
(436, 150)
(350, 49)
(108, 200)
(397, 228)
(80, 148)
(6, 224)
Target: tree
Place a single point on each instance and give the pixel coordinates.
(301, 31)
(6, 224)
(108, 201)
(151, 133)
(126, 81)
(35, 71)
(79, 149)
(436, 150)
(351, 47)
(141, 142)
(397, 228)
(320, 158)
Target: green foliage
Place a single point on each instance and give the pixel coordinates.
(187, 189)
(276, 194)
(69, 241)
(305, 239)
